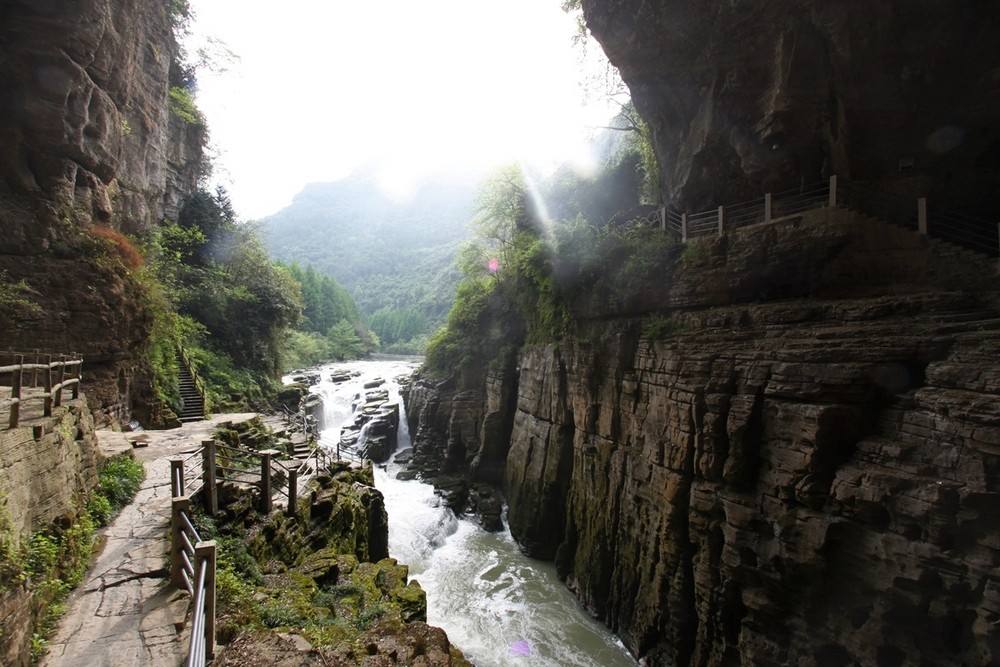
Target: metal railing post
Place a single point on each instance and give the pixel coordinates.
(293, 490)
(922, 215)
(722, 218)
(265, 480)
(17, 378)
(684, 227)
(205, 556)
(767, 207)
(79, 379)
(211, 490)
(833, 191)
(177, 477)
(178, 505)
(48, 386)
(62, 376)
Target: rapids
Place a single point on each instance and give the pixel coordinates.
(497, 605)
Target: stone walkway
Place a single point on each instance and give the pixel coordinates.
(125, 612)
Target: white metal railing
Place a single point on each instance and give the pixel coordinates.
(192, 568)
(956, 227)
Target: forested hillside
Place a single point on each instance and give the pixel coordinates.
(396, 257)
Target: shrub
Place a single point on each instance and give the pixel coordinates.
(99, 508)
(120, 479)
(660, 327)
(130, 256)
(182, 105)
(15, 299)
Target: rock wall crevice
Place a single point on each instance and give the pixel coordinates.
(789, 480)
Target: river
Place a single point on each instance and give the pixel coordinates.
(497, 605)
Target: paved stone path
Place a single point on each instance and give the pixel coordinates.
(114, 621)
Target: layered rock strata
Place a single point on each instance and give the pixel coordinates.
(797, 465)
(48, 466)
(87, 137)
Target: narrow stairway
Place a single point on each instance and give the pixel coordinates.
(192, 402)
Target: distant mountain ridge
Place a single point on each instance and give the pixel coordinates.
(395, 257)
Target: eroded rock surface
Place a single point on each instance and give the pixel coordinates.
(87, 137)
(799, 467)
(749, 97)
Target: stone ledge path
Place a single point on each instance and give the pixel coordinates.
(111, 622)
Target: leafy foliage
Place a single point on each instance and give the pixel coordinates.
(214, 292)
(16, 300)
(119, 480)
(395, 258)
(183, 106)
(525, 276)
(508, 293)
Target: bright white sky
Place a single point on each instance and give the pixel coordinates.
(325, 86)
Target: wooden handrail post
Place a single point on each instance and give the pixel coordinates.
(177, 477)
(62, 376)
(211, 489)
(265, 480)
(48, 386)
(178, 505)
(663, 217)
(767, 207)
(684, 227)
(722, 218)
(34, 371)
(293, 490)
(833, 191)
(206, 552)
(922, 215)
(17, 377)
(79, 378)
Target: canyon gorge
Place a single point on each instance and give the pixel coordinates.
(762, 440)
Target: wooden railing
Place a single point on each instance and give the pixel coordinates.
(25, 376)
(299, 421)
(915, 213)
(196, 476)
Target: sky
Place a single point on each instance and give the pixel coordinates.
(323, 87)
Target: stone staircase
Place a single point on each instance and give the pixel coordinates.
(192, 402)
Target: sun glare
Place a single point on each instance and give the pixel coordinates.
(321, 88)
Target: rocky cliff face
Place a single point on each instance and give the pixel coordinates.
(86, 136)
(47, 467)
(747, 97)
(798, 466)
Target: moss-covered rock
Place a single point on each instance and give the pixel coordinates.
(318, 587)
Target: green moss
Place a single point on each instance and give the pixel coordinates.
(278, 576)
(17, 299)
(660, 327)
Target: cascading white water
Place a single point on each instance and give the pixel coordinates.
(497, 605)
